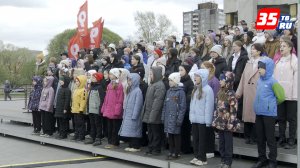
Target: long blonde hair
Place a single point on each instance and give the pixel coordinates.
(199, 88)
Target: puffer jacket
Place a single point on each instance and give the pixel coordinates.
(63, 99)
(201, 110)
(96, 97)
(154, 100)
(47, 96)
(79, 97)
(35, 94)
(174, 110)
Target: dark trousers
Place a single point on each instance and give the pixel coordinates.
(287, 111)
(134, 143)
(249, 131)
(113, 127)
(226, 146)
(186, 131)
(199, 141)
(37, 120)
(174, 143)
(144, 140)
(265, 129)
(47, 122)
(104, 126)
(96, 126)
(240, 109)
(155, 137)
(79, 120)
(210, 139)
(88, 124)
(55, 121)
(64, 126)
(7, 95)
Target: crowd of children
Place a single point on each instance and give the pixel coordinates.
(182, 97)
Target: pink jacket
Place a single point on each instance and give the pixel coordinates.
(112, 107)
(47, 96)
(286, 73)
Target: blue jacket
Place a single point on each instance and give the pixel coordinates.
(265, 99)
(35, 94)
(132, 118)
(174, 110)
(201, 111)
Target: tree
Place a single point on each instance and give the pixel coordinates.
(153, 27)
(60, 42)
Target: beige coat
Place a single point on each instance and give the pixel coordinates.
(247, 89)
(286, 73)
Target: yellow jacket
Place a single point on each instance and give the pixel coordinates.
(79, 98)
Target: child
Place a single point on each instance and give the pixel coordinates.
(79, 107)
(95, 100)
(63, 109)
(132, 122)
(113, 107)
(265, 107)
(33, 104)
(173, 114)
(46, 107)
(153, 109)
(225, 118)
(201, 113)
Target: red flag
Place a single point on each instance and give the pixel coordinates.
(86, 41)
(75, 44)
(96, 33)
(82, 19)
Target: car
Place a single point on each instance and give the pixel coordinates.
(18, 90)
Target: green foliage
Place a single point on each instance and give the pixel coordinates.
(17, 66)
(60, 42)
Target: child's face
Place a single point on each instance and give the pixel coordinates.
(129, 82)
(61, 82)
(33, 82)
(133, 61)
(77, 82)
(214, 55)
(197, 79)
(105, 75)
(112, 77)
(261, 71)
(45, 81)
(182, 71)
(172, 83)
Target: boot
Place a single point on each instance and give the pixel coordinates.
(281, 142)
(88, 141)
(290, 144)
(97, 142)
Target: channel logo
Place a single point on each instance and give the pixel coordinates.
(270, 19)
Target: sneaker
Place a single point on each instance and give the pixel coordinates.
(194, 161)
(127, 149)
(35, 132)
(42, 135)
(121, 142)
(290, 145)
(210, 155)
(47, 136)
(169, 156)
(149, 152)
(134, 150)
(97, 142)
(200, 163)
(61, 137)
(89, 141)
(73, 138)
(108, 146)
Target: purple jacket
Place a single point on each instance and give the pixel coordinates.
(215, 85)
(47, 96)
(112, 107)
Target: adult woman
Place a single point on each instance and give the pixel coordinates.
(200, 43)
(248, 42)
(286, 73)
(173, 62)
(290, 33)
(227, 47)
(247, 89)
(184, 51)
(115, 61)
(236, 64)
(207, 46)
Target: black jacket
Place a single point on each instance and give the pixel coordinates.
(220, 65)
(239, 67)
(172, 66)
(116, 64)
(139, 69)
(63, 100)
(188, 89)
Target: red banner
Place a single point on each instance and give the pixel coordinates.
(86, 41)
(96, 33)
(82, 20)
(75, 44)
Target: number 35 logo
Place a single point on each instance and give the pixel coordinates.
(267, 18)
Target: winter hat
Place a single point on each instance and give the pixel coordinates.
(175, 77)
(162, 60)
(92, 72)
(116, 72)
(187, 68)
(161, 43)
(229, 38)
(40, 56)
(259, 38)
(217, 49)
(98, 76)
(261, 65)
(113, 46)
(158, 52)
(64, 53)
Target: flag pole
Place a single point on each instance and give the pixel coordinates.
(298, 111)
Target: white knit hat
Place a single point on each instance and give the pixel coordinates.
(229, 38)
(91, 72)
(175, 77)
(217, 49)
(116, 72)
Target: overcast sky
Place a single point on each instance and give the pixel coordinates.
(32, 23)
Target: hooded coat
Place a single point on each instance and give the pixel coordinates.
(269, 93)
(174, 110)
(201, 110)
(154, 100)
(47, 96)
(63, 99)
(35, 94)
(79, 97)
(96, 97)
(225, 115)
(132, 121)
